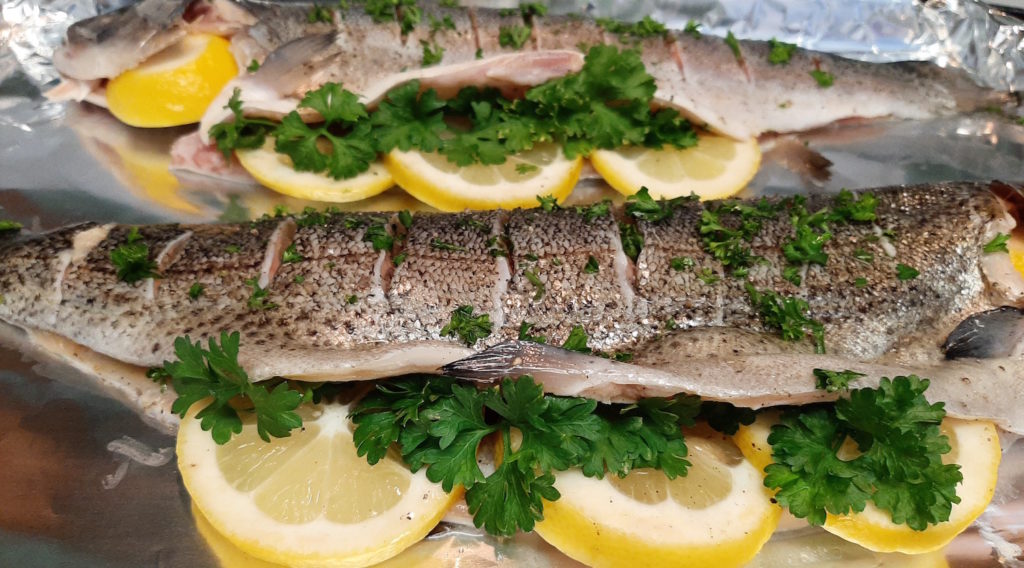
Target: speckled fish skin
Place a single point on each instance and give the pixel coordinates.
(738, 95)
(345, 310)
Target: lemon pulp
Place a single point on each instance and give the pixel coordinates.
(175, 86)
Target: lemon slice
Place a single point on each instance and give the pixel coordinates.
(276, 171)
(307, 500)
(432, 179)
(175, 86)
(975, 446)
(718, 515)
(715, 168)
(1016, 247)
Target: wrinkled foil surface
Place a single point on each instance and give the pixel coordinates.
(64, 163)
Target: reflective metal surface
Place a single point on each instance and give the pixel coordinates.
(70, 498)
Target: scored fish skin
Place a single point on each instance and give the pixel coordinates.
(308, 325)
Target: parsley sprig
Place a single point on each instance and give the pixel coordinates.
(214, 373)
(899, 467)
(439, 424)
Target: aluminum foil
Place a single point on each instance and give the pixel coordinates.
(74, 491)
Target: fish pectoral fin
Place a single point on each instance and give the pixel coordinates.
(987, 335)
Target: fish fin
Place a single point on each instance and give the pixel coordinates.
(489, 364)
(987, 335)
(287, 67)
(796, 156)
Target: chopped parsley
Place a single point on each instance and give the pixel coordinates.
(351, 299)
(899, 467)
(632, 240)
(131, 259)
(467, 326)
(595, 211)
(215, 374)
(997, 244)
(232, 249)
(253, 66)
(400, 258)
(864, 256)
(835, 381)
(680, 263)
(591, 266)
(824, 78)
(513, 36)
(196, 290)
(693, 29)
(432, 53)
(708, 276)
(548, 203)
(577, 340)
(792, 274)
(405, 218)
(258, 298)
(787, 315)
(904, 272)
(438, 244)
(377, 234)
(525, 335)
(860, 282)
(734, 46)
(291, 255)
(299, 279)
(532, 277)
(646, 28)
(781, 52)
(9, 226)
(320, 14)
(524, 168)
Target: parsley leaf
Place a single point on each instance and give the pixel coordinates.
(321, 149)
(591, 267)
(904, 272)
(258, 298)
(997, 244)
(214, 372)
(131, 259)
(438, 244)
(253, 66)
(241, 132)
(467, 326)
(641, 205)
(532, 277)
(864, 256)
(595, 211)
(408, 119)
(378, 235)
(548, 203)
(645, 28)
(834, 381)
(781, 52)
(681, 263)
(432, 53)
(524, 333)
(196, 290)
(734, 46)
(632, 240)
(291, 255)
(513, 36)
(577, 340)
(824, 78)
(9, 226)
(692, 28)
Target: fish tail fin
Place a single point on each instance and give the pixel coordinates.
(991, 334)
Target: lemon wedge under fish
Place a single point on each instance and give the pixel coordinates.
(718, 515)
(175, 86)
(975, 446)
(307, 500)
(716, 168)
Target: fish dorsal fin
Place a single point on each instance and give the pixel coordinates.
(987, 335)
